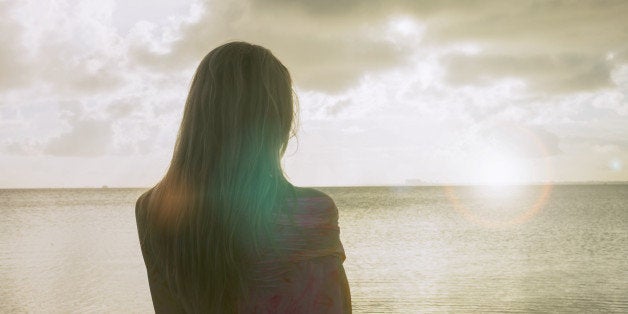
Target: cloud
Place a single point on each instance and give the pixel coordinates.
(556, 47)
(122, 108)
(88, 137)
(336, 107)
(65, 129)
(14, 70)
(524, 141)
(380, 82)
(61, 46)
(606, 148)
(322, 53)
(560, 74)
(25, 147)
(328, 45)
(528, 27)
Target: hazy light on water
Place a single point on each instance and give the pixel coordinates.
(500, 191)
(407, 251)
(505, 211)
(502, 174)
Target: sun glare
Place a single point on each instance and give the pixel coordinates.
(405, 26)
(500, 169)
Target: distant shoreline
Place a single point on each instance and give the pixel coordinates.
(453, 184)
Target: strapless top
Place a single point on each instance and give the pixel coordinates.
(306, 277)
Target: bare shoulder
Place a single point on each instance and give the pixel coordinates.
(311, 193)
(313, 200)
(140, 204)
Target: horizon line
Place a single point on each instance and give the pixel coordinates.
(426, 184)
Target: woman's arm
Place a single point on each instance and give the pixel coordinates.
(163, 299)
(330, 288)
(323, 287)
(344, 288)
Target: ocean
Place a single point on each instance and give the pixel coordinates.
(409, 249)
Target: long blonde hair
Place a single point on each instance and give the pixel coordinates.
(213, 210)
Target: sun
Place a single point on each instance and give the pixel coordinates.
(499, 168)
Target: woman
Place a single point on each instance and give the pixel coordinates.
(224, 231)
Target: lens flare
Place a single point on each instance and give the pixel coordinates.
(501, 176)
(539, 203)
(615, 164)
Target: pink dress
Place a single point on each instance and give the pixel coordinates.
(310, 280)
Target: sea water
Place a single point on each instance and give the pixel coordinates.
(409, 249)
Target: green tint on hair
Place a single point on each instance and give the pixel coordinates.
(212, 213)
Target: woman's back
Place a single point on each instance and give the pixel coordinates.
(224, 231)
(302, 273)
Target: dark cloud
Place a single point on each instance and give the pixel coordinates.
(554, 46)
(325, 53)
(326, 8)
(533, 26)
(563, 73)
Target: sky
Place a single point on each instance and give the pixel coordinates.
(389, 92)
